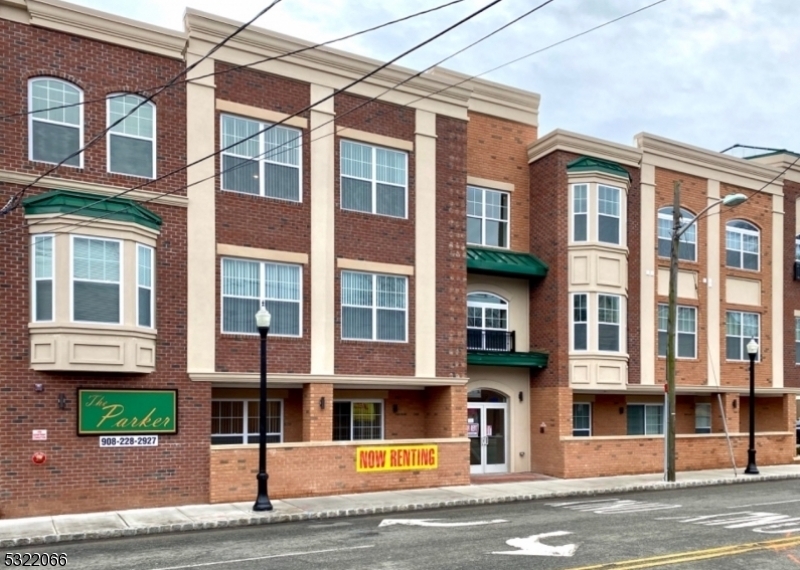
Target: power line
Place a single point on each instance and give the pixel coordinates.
(14, 200)
(241, 66)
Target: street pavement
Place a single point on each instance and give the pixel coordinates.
(135, 522)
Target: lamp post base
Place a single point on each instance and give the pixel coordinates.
(262, 499)
(751, 463)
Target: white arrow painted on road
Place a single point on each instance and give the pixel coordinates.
(433, 522)
(532, 547)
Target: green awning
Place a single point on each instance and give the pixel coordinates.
(504, 262)
(523, 359)
(590, 164)
(91, 206)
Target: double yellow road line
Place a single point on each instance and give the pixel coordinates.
(695, 555)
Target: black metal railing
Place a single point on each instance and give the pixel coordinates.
(489, 340)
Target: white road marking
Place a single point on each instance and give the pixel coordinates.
(238, 560)
(764, 504)
(761, 522)
(531, 546)
(614, 506)
(431, 522)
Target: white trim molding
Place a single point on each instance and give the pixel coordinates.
(374, 266)
(581, 144)
(228, 378)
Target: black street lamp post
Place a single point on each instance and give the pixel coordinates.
(263, 319)
(752, 351)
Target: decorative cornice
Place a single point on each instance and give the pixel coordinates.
(105, 27)
(221, 448)
(377, 381)
(783, 161)
(584, 145)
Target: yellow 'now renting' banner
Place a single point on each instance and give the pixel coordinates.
(397, 458)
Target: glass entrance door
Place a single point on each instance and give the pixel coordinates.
(486, 428)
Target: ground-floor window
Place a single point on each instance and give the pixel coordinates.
(357, 420)
(581, 419)
(645, 419)
(702, 417)
(236, 421)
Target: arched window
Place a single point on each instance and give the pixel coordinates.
(741, 245)
(487, 322)
(131, 142)
(687, 247)
(55, 124)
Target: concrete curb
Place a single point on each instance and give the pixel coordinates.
(256, 520)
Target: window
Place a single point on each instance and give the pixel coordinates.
(580, 212)
(608, 209)
(55, 126)
(247, 285)
(357, 420)
(373, 179)
(144, 286)
(797, 341)
(373, 307)
(685, 331)
(487, 217)
(608, 317)
(740, 328)
(487, 322)
(741, 245)
(580, 321)
(581, 419)
(236, 421)
(43, 297)
(797, 248)
(131, 143)
(687, 243)
(268, 164)
(702, 418)
(96, 285)
(645, 419)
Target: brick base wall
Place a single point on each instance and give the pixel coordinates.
(310, 470)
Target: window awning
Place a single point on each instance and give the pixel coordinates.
(91, 206)
(519, 359)
(591, 164)
(504, 262)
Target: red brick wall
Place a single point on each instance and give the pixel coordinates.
(769, 415)
(408, 422)
(324, 470)
(606, 419)
(791, 288)
(446, 411)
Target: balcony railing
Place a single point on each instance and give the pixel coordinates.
(490, 341)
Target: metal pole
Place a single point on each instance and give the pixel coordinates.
(669, 437)
(751, 452)
(262, 500)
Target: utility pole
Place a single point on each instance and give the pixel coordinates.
(669, 447)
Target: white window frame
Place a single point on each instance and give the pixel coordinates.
(260, 157)
(645, 405)
(620, 323)
(743, 339)
(574, 429)
(374, 307)
(151, 287)
(702, 429)
(587, 187)
(352, 401)
(678, 332)
(587, 322)
(374, 180)
(483, 217)
(262, 276)
(109, 134)
(620, 241)
(34, 279)
(683, 239)
(121, 243)
(743, 232)
(797, 340)
(244, 434)
(31, 119)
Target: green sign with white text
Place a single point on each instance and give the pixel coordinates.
(127, 411)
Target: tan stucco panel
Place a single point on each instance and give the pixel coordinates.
(588, 370)
(743, 291)
(374, 266)
(262, 254)
(687, 283)
(487, 183)
(372, 138)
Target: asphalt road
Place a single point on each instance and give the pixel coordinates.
(741, 526)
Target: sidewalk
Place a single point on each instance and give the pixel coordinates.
(61, 528)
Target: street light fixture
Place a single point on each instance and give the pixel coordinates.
(752, 351)
(262, 503)
(678, 229)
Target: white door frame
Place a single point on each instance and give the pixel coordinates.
(484, 467)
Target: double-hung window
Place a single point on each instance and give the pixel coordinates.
(357, 420)
(687, 243)
(236, 421)
(580, 321)
(55, 125)
(797, 340)
(645, 419)
(740, 327)
(144, 286)
(373, 179)
(96, 280)
(247, 285)
(487, 322)
(374, 307)
(43, 292)
(581, 419)
(741, 245)
(487, 217)
(132, 141)
(608, 214)
(580, 212)
(702, 417)
(686, 331)
(261, 159)
(609, 323)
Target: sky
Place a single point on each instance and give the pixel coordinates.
(711, 73)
